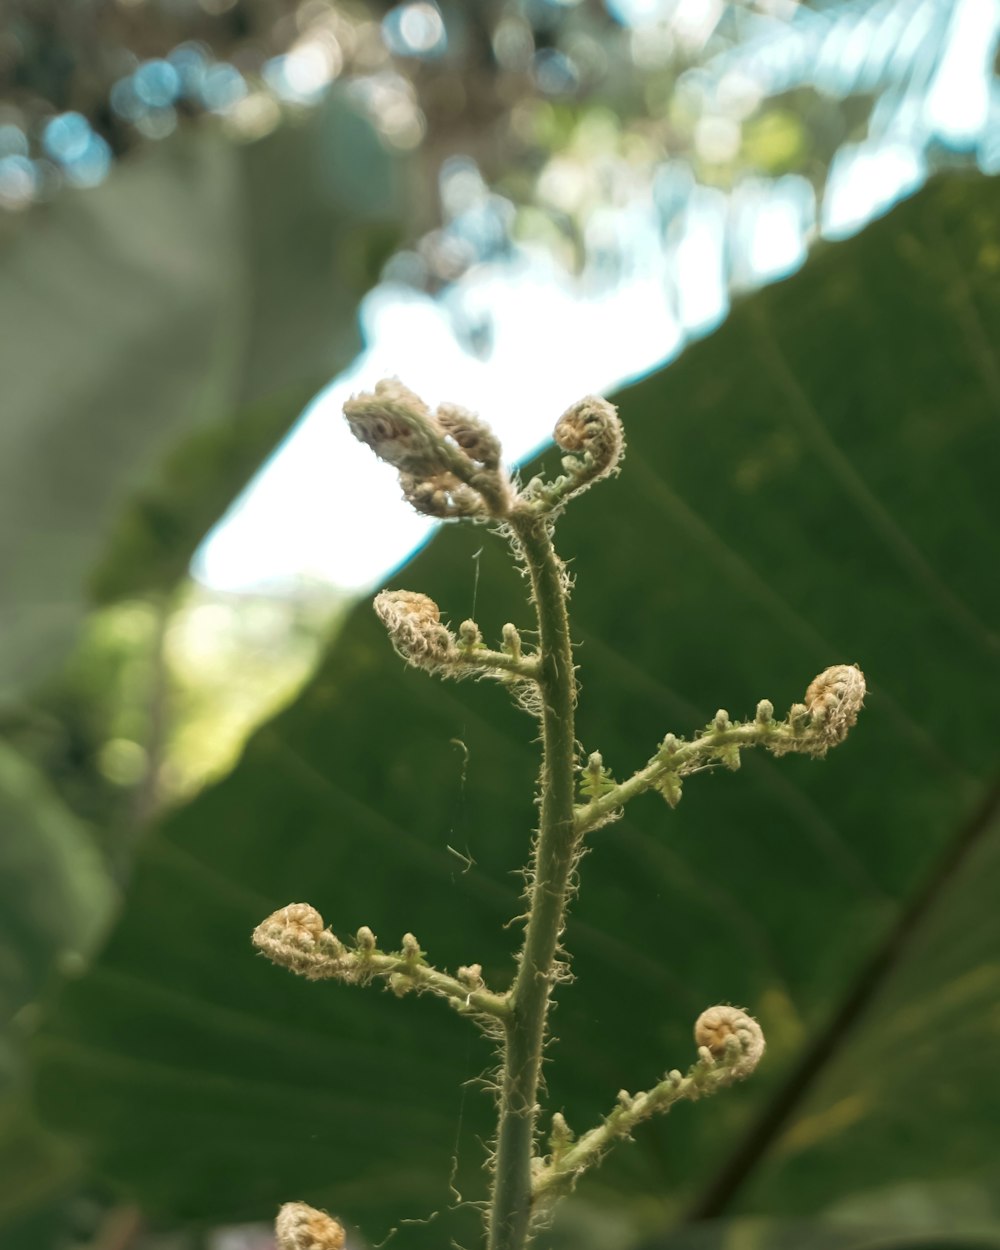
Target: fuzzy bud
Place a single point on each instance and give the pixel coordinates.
(448, 461)
(590, 429)
(671, 786)
(413, 622)
(294, 937)
(722, 721)
(561, 1135)
(469, 635)
(398, 426)
(411, 947)
(834, 698)
(471, 976)
(765, 712)
(300, 924)
(511, 641)
(471, 433)
(442, 495)
(723, 1030)
(301, 1227)
(366, 940)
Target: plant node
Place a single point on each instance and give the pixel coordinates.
(561, 1135)
(469, 636)
(511, 641)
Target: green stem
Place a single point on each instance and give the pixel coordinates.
(552, 865)
(422, 977)
(327, 959)
(560, 1174)
(780, 737)
(520, 666)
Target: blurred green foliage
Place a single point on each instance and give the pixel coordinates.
(57, 902)
(161, 334)
(159, 695)
(164, 330)
(725, 93)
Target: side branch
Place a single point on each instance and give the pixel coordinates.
(487, 662)
(294, 937)
(730, 1046)
(413, 622)
(833, 701)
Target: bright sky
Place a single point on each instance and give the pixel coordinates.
(323, 507)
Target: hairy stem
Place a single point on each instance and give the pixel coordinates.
(482, 658)
(294, 937)
(560, 1173)
(683, 755)
(677, 758)
(551, 868)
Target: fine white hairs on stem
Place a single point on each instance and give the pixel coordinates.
(299, 1226)
(731, 1035)
(413, 622)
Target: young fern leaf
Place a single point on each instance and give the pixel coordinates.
(596, 779)
(450, 465)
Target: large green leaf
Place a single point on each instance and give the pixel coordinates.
(814, 483)
(203, 293)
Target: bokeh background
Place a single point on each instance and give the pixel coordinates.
(220, 217)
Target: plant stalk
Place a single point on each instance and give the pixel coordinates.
(551, 867)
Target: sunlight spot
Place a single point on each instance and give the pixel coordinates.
(957, 104)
